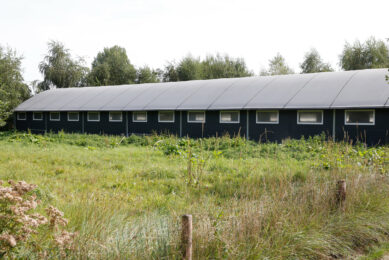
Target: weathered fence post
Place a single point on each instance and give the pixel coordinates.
(186, 237)
(341, 193)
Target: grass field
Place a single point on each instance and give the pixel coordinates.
(125, 196)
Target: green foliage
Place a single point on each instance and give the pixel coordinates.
(313, 63)
(249, 200)
(212, 67)
(368, 55)
(277, 66)
(112, 67)
(147, 75)
(12, 89)
(60, 70)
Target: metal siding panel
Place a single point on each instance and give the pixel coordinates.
(240, 93)
(279, 92)
(147, 96)
(368, 88)
(206, 94)
(321, 91)
(175, 95)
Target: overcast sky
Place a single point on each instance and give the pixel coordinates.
(156, 31)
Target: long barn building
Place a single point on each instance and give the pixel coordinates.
(347, 104)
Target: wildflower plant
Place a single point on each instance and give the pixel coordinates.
(19, 219)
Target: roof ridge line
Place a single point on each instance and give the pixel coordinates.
(259, 91)
(298, 91)
(213, 102)
(345, 84)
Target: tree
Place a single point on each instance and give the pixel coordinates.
(60, 70)
(112, 67)
(170, 73)
(277, 66)
(189, 68)
(214, 67)
(147, 75)
(368, 55)
(12, 89)
(313, 63)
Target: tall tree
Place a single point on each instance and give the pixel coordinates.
(12, 89)
(214, 67)
(313, 63)
(368, 55)
(112, 67)
(60, 70)
(170, 73)
(277, 66)
(189, 68)
(147, 75)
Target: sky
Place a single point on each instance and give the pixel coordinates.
(155, 32)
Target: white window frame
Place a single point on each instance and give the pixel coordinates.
(139, 121)
(111, 120)
(359, 110)
(72, 120)
(310, 123)
(35, 119)
(59, 119)
(20, 119)
(89, 120)
(264, 122)
(229, 122)
(196, 122)
(169, 121)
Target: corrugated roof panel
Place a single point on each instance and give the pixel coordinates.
(279, 92)
(368, 88)
(62, 97)
(105, 97)
(240, 92)
(121, 101)
(175, 95)
(30, 103)
(206, 94)
(82, 98)
(148, 96)
(321, 91)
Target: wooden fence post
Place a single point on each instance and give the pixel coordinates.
(186, 237)
(341, 193)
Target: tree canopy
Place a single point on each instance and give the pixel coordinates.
(112, 67)
(368, 55)
(277, 66)
(313, 63)
(12, 89)
(60, 70)
(147, 75)
(212, 67)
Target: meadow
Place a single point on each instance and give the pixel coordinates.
(249, 200)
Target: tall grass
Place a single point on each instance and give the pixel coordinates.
(248, 200)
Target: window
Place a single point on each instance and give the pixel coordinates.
(196, 117)
(115, 117)
(21, 116)
(267, 117)
(314, 117)
(93, 116)
(359, 117)
(139, 116)
(55, 116)
(166, 116)
(37, 116)
(73, 116)
(229, 117)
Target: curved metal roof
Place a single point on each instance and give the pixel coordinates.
(345, 89)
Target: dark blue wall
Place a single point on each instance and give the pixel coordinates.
(286, 128)
(212, 126)
(370, 134)
(152, 125)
